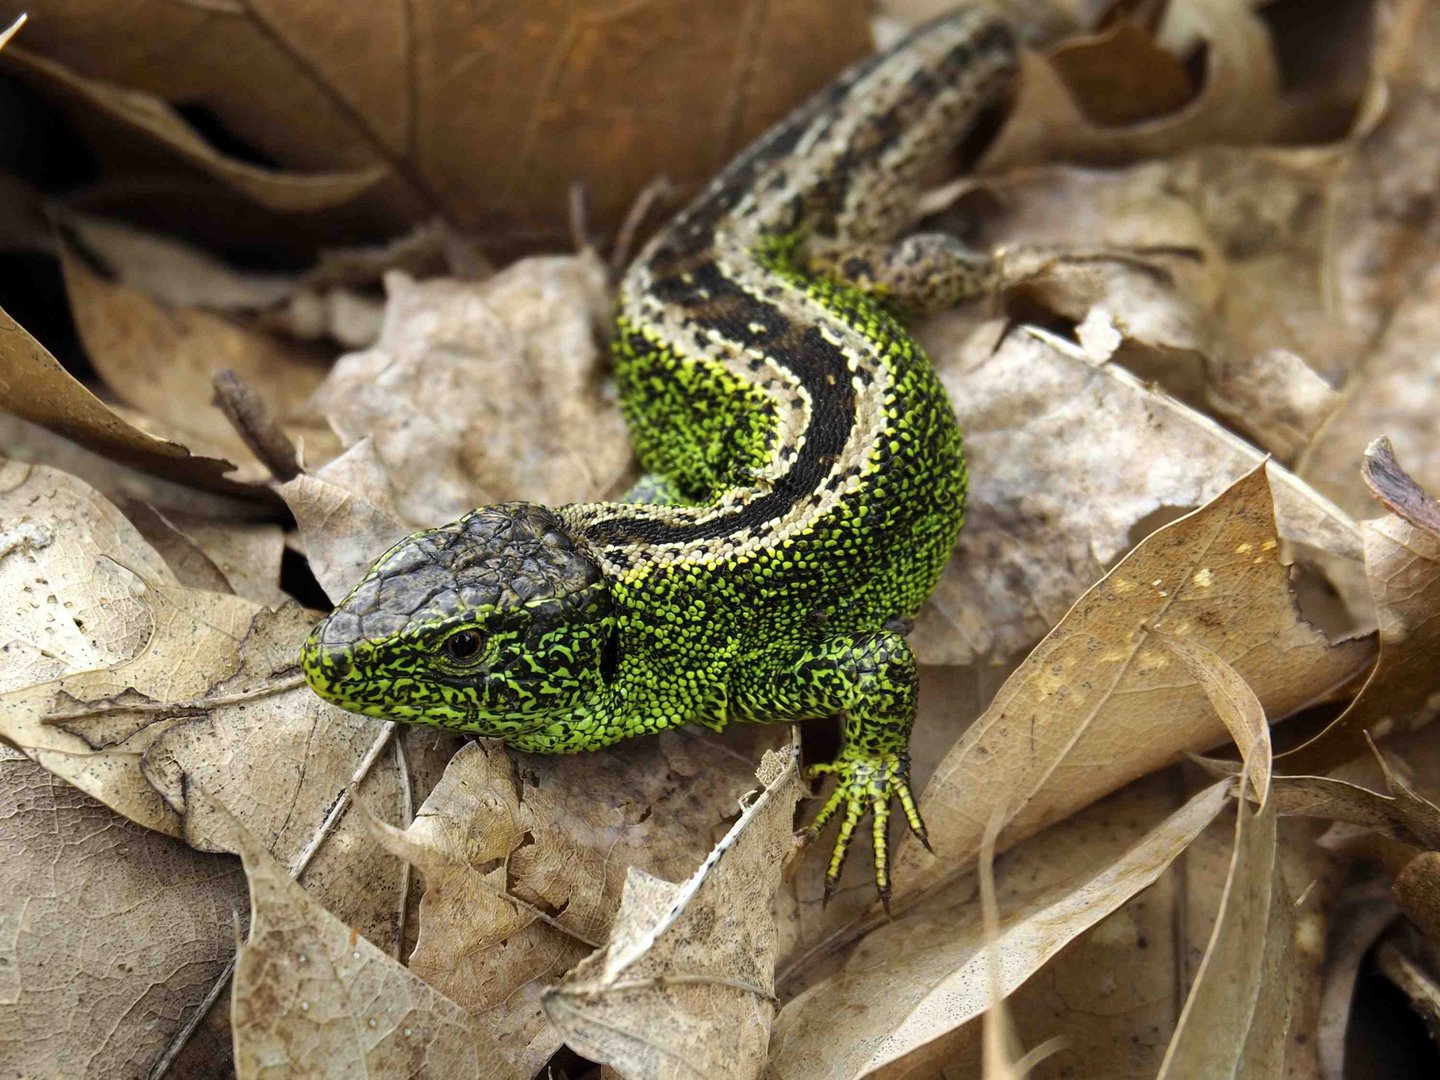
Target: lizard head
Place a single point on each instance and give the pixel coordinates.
(489, 625)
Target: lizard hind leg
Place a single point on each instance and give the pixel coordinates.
(917, 275)
(869, 678)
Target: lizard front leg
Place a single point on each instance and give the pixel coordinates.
(870, 679)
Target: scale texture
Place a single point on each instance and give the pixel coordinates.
(805, 480)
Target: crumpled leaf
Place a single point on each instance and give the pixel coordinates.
(1099, 702)
(1402, 567)
(479, 393)
(110, 934)
(211, 696)
(1238, 1011)
(72, 608)
(414, 98)
(1236, 104)
(524, 859)
(1381, 273)
(163, 360)
(924, 975)
(35, 387)
(312, 999)
(1066, 458)
(152, 116)
(346, 516)
(686, 982)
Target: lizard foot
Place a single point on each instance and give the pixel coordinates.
(866, 782)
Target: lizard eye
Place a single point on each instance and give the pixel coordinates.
(464, 646)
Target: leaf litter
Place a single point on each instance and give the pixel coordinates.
(1172, 314)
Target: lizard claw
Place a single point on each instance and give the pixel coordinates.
(866, 783)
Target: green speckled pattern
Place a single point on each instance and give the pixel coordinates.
(806, 477)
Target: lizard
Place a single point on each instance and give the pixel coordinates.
(803, 480)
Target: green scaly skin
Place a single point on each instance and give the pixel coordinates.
(805, 484)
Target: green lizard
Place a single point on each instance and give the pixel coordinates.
(805, 485)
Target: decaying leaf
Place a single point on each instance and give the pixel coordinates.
(1238, 1010)
(311, 998)
(152, 116)
(346, 516)
(207, 694)
(1402, 567)
(479, 393)
(1100, 702)
(525, 858)
(686, 982)
(1067, 458)
(412, 102)
(110, 934)
(920, 977)
(163, 360)
(35, 387)
(1238, 102)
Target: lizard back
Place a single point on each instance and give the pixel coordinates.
(819, 469)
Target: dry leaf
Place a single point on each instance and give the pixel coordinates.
(919, 977)
(1402, 566)
(477, 394)
(686, 983)
(109, 934)
(346, 517)
(1099, 702)
(1382, 277)
(525, 858)
(311, 999)
(613, 94)
(74, 569)
(1066, 459)
(1404, 815)
(35, 387)
(1237, 103)
(1238, 1011)
(207, 693)
(152, 116)
(1417, 893)
(163, 361)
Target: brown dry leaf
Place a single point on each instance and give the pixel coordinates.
(1403, 816)
(149, 115)
(1099, 701)
(75, 605)
(1402, 566)
(246, 554)
(207, 694)
(312, 999)
(1066, 460)
(35, 387)
(110, 934)
(1200, 271)
(163, 360)
(1381, 271)
(1238, 102)
(615, 93)
(1417, 894)
(346, 517)
(191, 566)
(923, 975)
(1238, 1011)
(481, 393)
(686, 983)
(524, 860)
